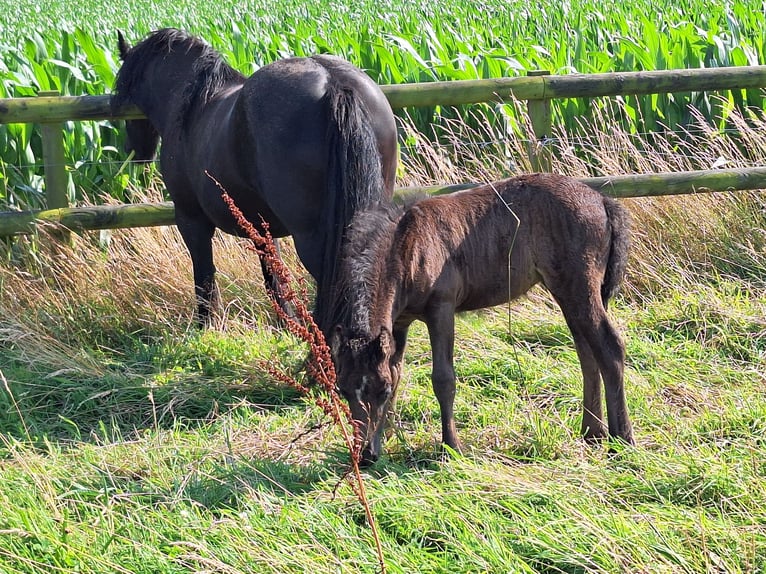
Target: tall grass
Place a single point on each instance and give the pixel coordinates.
(73, 49)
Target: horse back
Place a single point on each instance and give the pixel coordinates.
(287, 103)
(278, 142)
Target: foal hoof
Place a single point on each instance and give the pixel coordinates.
(618, 444)
(595, 433)
(368, 458)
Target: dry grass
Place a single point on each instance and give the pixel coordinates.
(126, 280)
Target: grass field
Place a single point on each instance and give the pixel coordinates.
(131, 442)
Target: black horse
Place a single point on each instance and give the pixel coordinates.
(302, 144)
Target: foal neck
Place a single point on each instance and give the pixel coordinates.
(368, 264)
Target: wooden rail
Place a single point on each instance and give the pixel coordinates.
(153, 214)
(533, 87)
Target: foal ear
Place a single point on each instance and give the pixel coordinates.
(122, 45)
(336, 340)
(386, 341)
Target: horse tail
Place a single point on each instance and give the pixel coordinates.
(619, 221)
(354, 182)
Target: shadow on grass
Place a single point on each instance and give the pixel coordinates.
(219, 485)
(64, 406)
(227, 487)
(543, 336)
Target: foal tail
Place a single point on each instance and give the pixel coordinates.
(619, 221)
(355, 182)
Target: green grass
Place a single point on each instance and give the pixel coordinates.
(180, 455)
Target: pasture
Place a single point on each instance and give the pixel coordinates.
(132, 442)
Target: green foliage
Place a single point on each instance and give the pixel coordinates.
(72, 48)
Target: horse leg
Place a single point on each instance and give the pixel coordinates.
(197, 233)
(273, 286)
(597, 340)
(440, 320)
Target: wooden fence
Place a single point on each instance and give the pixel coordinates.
(537, 89)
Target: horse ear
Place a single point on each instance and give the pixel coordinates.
(122, 45)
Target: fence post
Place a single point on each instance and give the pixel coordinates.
(56, 179)
(540, 116)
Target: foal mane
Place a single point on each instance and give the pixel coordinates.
(210, 72)
(367, 244)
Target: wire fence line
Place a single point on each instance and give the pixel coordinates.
(546, 141)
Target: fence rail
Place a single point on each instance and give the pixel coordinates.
(51, 109)
(153, 214)
(537, 89)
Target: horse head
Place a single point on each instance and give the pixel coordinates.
(142, 137)
(166, 76)
(366, 379)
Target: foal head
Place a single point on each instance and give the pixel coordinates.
(367, 380)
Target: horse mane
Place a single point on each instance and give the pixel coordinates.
(363, 259)
(210, 72)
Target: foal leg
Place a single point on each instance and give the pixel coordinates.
(440, 320)
(197, 233)
(597, 340)
(397, 359)
(396, 363)
(610, 354)
(593, 427)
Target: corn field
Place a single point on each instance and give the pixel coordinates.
(71, 48)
